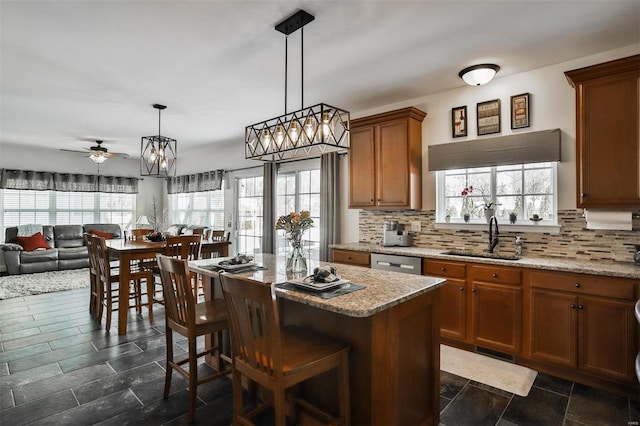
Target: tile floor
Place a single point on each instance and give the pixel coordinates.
(59, 367)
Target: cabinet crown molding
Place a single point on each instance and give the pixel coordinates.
(410, 112)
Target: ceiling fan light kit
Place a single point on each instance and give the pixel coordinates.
(308, 132)
(477, 75)
(158, 154)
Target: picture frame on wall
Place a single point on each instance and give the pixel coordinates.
(520, 111)
(459, 121)
(488, 117)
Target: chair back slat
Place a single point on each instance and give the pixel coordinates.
(93, 256)
(255, 330)
(177, 290)
(103, 261)
(185, 247)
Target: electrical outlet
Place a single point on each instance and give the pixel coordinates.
(416, 226)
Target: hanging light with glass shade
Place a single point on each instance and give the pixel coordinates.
(308, 132)
(158, 154)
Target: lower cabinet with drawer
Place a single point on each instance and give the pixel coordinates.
(584, 322)
(453, 296)
(351, 257)
(496, 307)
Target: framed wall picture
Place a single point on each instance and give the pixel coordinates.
(520, 111)
(459, 121)
(488, 117)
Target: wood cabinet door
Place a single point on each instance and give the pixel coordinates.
(554, 325)
(607, 335)
(453, 307)
(497, 316)
(392, 165)
(362, 180)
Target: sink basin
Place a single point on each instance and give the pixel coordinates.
(483, 255)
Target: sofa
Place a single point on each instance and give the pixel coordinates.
(183, 229)
(66, 248)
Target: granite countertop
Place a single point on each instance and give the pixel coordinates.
(610, 269)
(383, 289)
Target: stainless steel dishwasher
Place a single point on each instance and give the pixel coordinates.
(397, 263)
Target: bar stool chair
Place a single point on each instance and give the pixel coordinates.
(276, 357)
(109, 284)
(184, 247)
(190, 319)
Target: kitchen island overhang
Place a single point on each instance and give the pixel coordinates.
(393, 329)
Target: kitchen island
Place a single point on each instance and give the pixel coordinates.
(392, 326)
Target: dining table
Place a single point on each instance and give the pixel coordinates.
(131, 252)
(389, 319)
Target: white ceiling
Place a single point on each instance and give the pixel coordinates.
(76, 71)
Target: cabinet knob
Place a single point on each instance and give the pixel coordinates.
(577, 285)
(444, 269)
(495, 275)
(371, 200)
(473, 290)
(461, 288)
(573, 306)
(584, 194)
(581, 306)
(378, 199)
(348, 257)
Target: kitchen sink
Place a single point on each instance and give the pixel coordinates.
(482, 255)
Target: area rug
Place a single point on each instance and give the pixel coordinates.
(490, 371)
(43, 282)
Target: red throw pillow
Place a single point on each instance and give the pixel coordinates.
(33, 242)
(105, 235)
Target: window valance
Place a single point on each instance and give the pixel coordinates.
(66, 182)
(199, 182)
(523, 148)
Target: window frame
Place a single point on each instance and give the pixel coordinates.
(209, 211)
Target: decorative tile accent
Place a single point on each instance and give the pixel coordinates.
(574, 242)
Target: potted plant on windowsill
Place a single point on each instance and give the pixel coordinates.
(513, 217)
(490, 209)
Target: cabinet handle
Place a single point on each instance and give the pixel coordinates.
(495, 275)
(581, 306)
(577, 285)
(444, 269)
(573, 306)
(473, 290)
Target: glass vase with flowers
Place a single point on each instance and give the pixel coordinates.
(294, 224)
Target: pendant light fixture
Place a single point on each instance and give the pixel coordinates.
(158, 154)
(477, 75)
(308, 132)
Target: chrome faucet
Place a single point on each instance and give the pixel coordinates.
(493, 241)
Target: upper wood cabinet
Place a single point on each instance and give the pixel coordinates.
(385, 160)
(607, 134)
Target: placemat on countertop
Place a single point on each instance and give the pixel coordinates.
(344, 289)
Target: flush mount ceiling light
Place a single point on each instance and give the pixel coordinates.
(308, 132)
(477, 75)
(158, 154)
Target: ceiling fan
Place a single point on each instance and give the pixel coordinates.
(99, 154)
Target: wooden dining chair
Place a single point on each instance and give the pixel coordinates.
(191, 319)
(109, 285)
(184, 247)
(218, 235)
(94, 275)
(276, 357)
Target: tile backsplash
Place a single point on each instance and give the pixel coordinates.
(574, 241)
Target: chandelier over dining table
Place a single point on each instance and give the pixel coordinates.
(308, 132)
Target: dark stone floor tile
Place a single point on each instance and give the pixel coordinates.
(6, 399)
(591, 406)
(31, 323)
(218, 388)
(38, 409)
(33, 361)
(68, 323)
(474, 407)
(491, 389)
(103, 355)
(94, 411)
(216, 413)
(539, 407)
(451, 385)
(115, 383)
(4, 369)
(90, 336)
(443, 403)
(503, 422)
(40, 338)
(58, 383)
(158, 412)
(154, 389)
(28, 376)
(20, 334)
(553, 384)
(634, 411)
(114, 339)
(27, 351)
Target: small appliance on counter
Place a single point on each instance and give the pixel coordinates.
(394, 234)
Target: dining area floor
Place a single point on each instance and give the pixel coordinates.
(58, 366)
